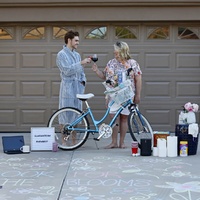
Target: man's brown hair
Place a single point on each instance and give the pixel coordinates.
(70, 35)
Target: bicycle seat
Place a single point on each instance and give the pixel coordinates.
(84, 97)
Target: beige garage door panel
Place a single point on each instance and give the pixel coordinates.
(7, 60)
(31, 116)
(159, 89)
(187, 89)
(7, 88)
(188, 59)
(161, 119)
(173, 87)
(8, 117)
(157, 61)
(33, 60)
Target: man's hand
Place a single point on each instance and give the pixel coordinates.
(86, 61)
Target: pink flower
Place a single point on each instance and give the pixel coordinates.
(188, 106)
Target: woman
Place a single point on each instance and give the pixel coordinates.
(121, 62)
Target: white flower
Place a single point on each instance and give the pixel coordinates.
(195, 107)
(188, 107)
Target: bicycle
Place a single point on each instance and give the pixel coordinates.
(74, 131)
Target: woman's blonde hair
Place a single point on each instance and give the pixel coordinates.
(123, 49)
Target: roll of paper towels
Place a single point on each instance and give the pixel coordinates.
(172, 142)
(162, 147)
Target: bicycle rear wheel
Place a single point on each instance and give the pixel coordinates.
(139, 131)
(69, 140)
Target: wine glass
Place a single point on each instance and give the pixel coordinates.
(94, 58)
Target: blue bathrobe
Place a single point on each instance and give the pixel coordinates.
(72, 75)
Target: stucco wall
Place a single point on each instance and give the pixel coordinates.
(113, 10)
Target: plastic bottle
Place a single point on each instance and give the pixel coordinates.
(124, 76)
(119, 77)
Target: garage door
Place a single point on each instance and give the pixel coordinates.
(29, 79)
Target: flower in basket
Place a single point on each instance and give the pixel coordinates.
(190, 107)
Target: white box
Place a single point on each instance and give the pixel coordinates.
(42, 138)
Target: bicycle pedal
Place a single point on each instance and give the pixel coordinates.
(96, 139)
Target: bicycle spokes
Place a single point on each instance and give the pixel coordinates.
(67, 135)
(139, 128)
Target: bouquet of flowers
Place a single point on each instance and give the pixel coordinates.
(190, 107)
(187, 116)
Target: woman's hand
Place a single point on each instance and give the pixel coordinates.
(98, 72)
(136, 99)
(95, 67)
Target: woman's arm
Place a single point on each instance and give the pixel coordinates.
(99, 73)
(138, 88)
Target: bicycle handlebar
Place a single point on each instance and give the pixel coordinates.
(132, 107)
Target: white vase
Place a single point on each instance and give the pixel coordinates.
(182, 118)
(191, 118)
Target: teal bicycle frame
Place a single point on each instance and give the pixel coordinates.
(96, 122)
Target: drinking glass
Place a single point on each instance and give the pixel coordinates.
(94, 58)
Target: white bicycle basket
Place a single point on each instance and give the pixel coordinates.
(121, 93)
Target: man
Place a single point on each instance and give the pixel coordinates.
(72, 74)
(71, 71)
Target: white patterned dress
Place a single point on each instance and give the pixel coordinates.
(111, 71)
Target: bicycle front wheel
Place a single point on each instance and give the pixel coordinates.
(139, 130)
(69, 140)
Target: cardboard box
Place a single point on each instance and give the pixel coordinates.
(159, 134)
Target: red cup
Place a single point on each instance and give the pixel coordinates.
(134, 150)
(134, 147)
